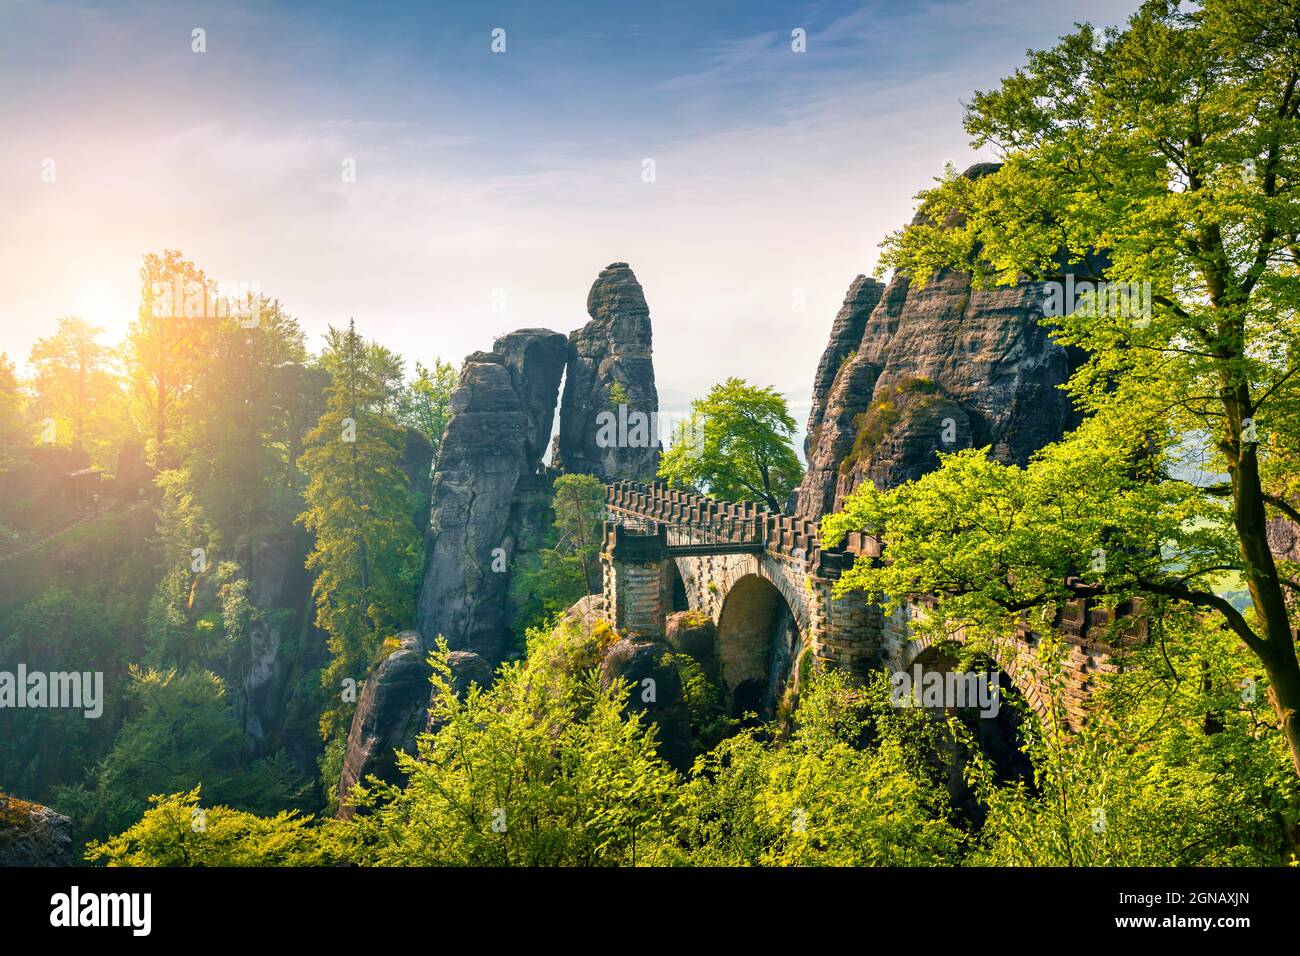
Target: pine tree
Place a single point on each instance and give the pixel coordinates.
(366, 554)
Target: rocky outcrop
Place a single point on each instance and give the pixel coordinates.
(33, 835)
(693, 633)
(536, 361)
(282, 641)
(484, 495)
(490, 496)
(656, 690)
(393, 710)
(610, 358)
(846, 336)
(273, 679)
(938, 368)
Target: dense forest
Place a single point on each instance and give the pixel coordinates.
(231, 523)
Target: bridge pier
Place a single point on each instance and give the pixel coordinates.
(845, 632)
(636, 585)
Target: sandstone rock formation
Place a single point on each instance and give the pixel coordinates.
(270, 680)
(501, 414)
(393, 710)
(846, 337)
(282, 640)
(656, 690)
(694, 634)
(612, 349)
(935, 369)
(33, 835)
(490, 496)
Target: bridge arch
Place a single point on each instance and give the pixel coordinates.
(1017, 671)
(669, 550)
(756, 629)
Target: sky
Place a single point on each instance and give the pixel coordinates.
(490, 187)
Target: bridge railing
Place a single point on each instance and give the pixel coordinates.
(701, 520)
(724, 531)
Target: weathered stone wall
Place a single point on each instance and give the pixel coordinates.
(1092, 646)
(846, 632)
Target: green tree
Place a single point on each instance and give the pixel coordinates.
(182, 734)
(15, 436)
(387, 372)
(366, 554)
(233, 444)
(426, 402)
(161, 350)
(737, 445)
(76, 386)
(549, 580)
(542, 769)
(617, 395)
(60, 630)
(821, 798)
(178, 831)
(1173, 770)
(1172, 146)
(579, 513)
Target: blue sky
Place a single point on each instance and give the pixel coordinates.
(485, 177)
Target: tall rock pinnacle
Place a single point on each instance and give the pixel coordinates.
(610, 381)
(501, 413)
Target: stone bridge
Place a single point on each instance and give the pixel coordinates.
(765, 583)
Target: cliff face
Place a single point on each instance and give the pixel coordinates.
(501, 414)
(612, 349)
(936, 369)
(846, 336)
(283, 642)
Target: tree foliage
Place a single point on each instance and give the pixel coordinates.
(77, 388)
(366, 548)
(182, 734)
(1181, 179)
(737, 445)
(426, 403)
(177, 830)
(541, 769)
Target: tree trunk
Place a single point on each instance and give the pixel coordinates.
(1284, 695)
(1276, 648)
